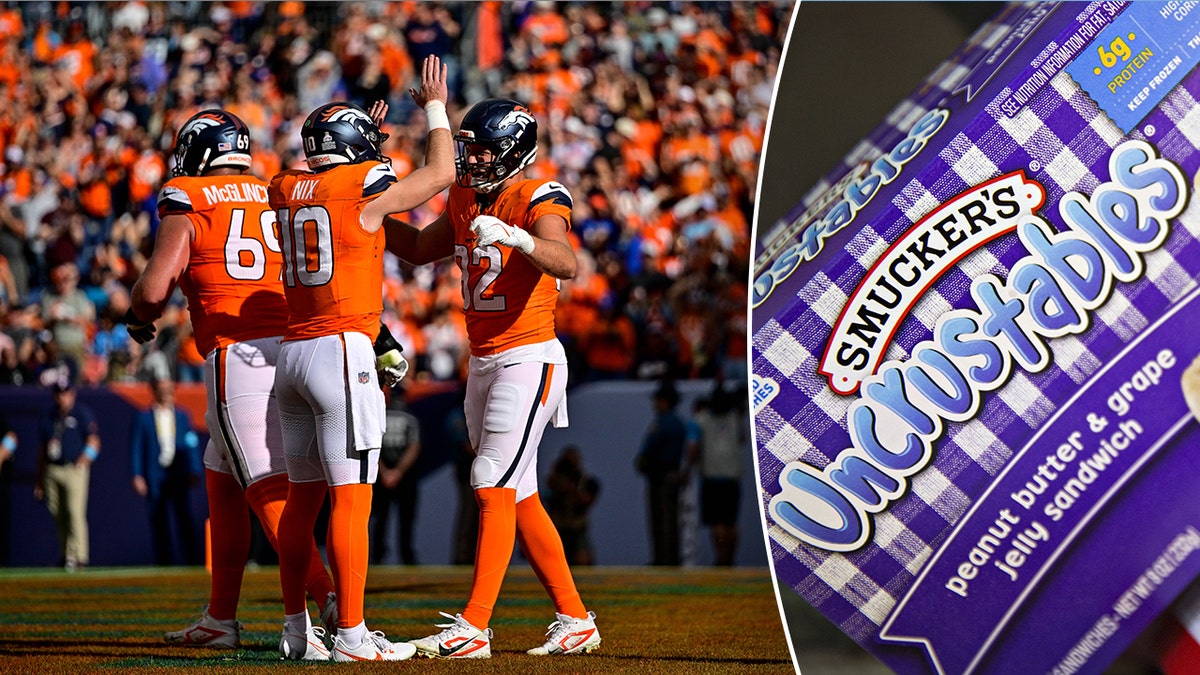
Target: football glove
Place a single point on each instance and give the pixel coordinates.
(491, 230)
(141, 331)
(392, 367)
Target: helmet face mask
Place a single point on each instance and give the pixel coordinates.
(341, 133)
(502, 128)
(211, 139)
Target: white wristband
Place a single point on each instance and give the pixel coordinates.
(435, 115)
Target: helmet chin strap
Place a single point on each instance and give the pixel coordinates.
(203, 161)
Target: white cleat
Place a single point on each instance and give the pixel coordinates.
(308, 646)
(208, 632)
(460, 640)
(375, 647)
(569, 635)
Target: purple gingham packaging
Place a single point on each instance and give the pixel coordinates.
(968, 344)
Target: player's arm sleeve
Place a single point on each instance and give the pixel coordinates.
(172, 250)
(420, 246)
(417, 187)
(548, 220)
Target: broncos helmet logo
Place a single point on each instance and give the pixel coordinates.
(200, 123)
(519, 117)
(355, 118)
(340, 113)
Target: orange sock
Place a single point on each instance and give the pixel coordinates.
(348, 543)
(497, 532)
(295, 536)
(230, 523)
(544, 550)
(267, 497)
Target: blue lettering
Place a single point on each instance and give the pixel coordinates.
(800, 487)
(1048, 306)
(859, 478)
(1002, 320)
(1119, 210)
(958, 400)
(890, 394)
(863, 420)
(1058, 255)
(994, 367)
(1078, 216)
(1125, 165)
(861, 192)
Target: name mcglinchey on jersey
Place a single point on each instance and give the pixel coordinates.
(236, 192)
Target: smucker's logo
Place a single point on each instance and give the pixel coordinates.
(908, 269)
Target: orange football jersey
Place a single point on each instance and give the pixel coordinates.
(333, 269)
(232, 278)
(508, 301)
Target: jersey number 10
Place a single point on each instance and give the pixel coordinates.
(299, 251)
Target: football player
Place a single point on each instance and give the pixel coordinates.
(330, 403)
(217, 242)
(508, 236)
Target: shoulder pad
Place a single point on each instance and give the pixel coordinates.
(174, 199)
(551, 191)
(378, 178)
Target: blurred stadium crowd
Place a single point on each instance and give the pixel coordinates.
(652, 114)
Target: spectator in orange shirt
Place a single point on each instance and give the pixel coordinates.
(13, 62)
(145, 176)
(688, 154)
(396, 61)
(579, 303)
(76, 55)
(609, 345)
(545, 26)
(264, 161)
(11, 25)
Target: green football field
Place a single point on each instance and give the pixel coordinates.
(652, 620)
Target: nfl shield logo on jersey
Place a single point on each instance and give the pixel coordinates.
(364, 377)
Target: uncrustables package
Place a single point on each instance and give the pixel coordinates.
(975, 376)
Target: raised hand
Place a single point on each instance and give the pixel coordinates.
(378, 112)
(433, 82)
